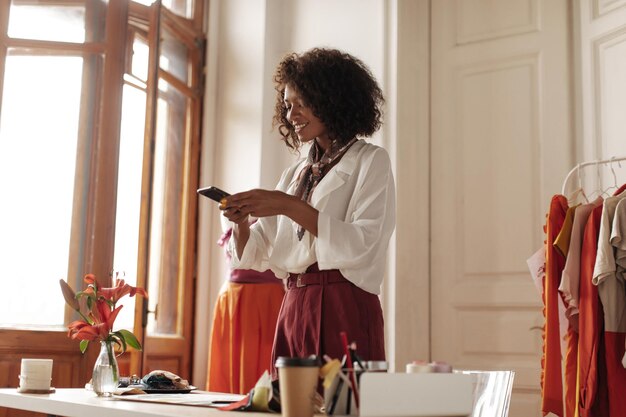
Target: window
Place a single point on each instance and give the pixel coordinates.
(99, 143)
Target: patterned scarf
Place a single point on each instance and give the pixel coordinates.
(318, 164)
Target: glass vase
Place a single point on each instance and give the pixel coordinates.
(105, 375)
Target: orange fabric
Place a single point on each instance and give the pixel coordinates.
(551, 377)
(561, 243)
(242, 336)
(591, 320)
(571, 371)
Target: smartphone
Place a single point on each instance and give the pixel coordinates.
(213, 193)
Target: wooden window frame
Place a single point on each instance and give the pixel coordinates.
(93, 226)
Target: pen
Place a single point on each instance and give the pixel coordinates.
(355, 357)
(344, 340)
(339, 373)
(335, 398)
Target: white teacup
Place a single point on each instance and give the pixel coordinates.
(35, 374)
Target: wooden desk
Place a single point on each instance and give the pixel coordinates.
(78, 402)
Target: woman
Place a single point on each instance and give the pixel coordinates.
(244, 323)
(327, 225)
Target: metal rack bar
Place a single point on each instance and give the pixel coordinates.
(588, 163)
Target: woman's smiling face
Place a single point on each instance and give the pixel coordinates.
(301, 117)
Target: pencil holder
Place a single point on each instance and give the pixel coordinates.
(339, 398)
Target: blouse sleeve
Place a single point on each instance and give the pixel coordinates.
(262, 233)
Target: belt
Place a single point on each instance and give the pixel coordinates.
(330, 276)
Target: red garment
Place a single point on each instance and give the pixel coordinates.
(591, 322)
(600, 406)
(616, 374)
(614, 349)
(312, 317)
(551, 376)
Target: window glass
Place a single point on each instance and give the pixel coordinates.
(129, 196)
(29, 20)
(139, 62)
(174, 57)
(182, 8)
(38, 143)
(165, 268)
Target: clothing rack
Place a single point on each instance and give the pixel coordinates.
(597, 162)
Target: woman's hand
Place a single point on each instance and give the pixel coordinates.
(264, 203)
(257, 203)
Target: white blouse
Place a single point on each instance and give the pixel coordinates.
(357, 214)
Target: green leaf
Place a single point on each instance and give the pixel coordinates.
(130, 339)
(83, 345)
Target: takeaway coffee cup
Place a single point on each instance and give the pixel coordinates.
(297, 378)
(35, 375)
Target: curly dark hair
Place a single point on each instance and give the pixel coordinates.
(339, 89)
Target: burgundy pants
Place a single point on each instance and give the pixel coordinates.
(317, 307)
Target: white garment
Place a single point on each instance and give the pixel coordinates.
(570, 277)
(537, 266)
(357, 215)
(618, 241)
(610, 289)
(618, 237)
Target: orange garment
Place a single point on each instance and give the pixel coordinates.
(562, 244)
(242, 336)
(591, 324)
(571, 372)
(562, 240)
(551, 377)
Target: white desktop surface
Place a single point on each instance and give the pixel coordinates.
(78, 402)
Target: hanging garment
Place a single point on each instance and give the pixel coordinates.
(537, 267)
(569, 289)
(618, 354)
(618, 241)
(562, 244)
(590, 321)
(551, 377)
(562, 241)
(570, 279)
(612, 296)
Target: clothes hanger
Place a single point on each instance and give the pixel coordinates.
(606, 192)
(580, 191)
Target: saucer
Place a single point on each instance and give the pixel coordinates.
(36, 391)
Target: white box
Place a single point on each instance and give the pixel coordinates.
(419, 394)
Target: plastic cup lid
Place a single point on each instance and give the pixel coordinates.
(285, 361)
(377, 365)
